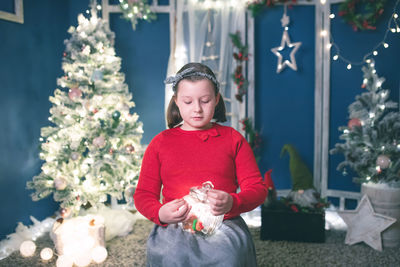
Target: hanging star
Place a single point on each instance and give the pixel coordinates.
(276, 50)
(364, 225)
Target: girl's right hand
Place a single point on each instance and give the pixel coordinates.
(174, 211)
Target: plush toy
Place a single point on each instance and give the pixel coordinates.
(303, 192)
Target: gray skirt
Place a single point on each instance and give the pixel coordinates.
(231, 246)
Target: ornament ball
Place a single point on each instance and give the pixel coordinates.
(99, 141)
(74, 155)
(355, 122)
(60, 183)
(383, 161)
(65, 212)
(74, 93)
(116, 114)
(130, 148)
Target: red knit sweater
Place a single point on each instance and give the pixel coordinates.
(177, 160)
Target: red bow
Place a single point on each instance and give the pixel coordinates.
(203, 135)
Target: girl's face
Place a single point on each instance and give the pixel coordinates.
(196, 101)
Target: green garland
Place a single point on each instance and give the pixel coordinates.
(256, 6)
(365, 20)
(133, 10)
(254, 137)
(241, 56)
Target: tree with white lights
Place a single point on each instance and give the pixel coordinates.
(92, 151)
(372, 137)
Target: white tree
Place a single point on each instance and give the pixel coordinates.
(92, 150)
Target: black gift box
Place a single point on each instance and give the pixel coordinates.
(292, 226)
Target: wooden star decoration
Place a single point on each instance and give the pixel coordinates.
(364, 225)
(276, 50)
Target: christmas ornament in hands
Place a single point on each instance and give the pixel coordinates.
(371, 148)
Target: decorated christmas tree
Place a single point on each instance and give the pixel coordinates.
(92, 150)
(372, 137)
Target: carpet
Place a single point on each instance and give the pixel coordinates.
(130, 251)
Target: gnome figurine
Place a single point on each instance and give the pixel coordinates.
(303, 192)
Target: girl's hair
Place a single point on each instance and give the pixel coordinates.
(193, 72)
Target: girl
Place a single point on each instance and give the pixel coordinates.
(195, 150)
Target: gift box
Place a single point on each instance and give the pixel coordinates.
(292, 226)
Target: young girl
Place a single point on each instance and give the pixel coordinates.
(195, 150)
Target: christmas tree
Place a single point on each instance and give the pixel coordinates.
(93, 149)
(372, 137)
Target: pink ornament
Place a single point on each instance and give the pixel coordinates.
(383, 161)
(99, 141)
(355, 122)
(74, 93)
(60, 183)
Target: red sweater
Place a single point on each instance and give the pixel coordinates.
(177, 160)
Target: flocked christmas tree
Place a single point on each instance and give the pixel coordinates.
(372, 137)
(93, 149)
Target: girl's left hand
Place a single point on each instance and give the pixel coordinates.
(220, 201)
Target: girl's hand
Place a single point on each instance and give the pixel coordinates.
(220, 201)
(174, 211)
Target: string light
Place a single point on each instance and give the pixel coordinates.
(392, 26)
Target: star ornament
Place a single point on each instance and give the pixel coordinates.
(364, 225)
(276, 50)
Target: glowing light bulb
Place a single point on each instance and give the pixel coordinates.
(393, 30)
(375, 53)
(98, 7)
(349, 66)
(323, 33)
(64, 261)
(46, 254)
(328, 46)
(385, 45)
(395, 15)
(332, 16)
(99, 254)
(368, 178)
(323, 2)
(27, 248)
(335, 57)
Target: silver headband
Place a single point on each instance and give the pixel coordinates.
(189, 73)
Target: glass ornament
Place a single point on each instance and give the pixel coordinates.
(201, 220)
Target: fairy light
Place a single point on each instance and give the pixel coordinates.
(392, 26)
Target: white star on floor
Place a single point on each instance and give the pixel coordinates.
(364, 225)
(276, 50)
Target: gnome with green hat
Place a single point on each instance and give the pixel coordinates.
(303, 192)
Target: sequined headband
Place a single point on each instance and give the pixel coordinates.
(189, 73)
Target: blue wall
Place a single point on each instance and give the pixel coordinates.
(285, 101)
(30, 63)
